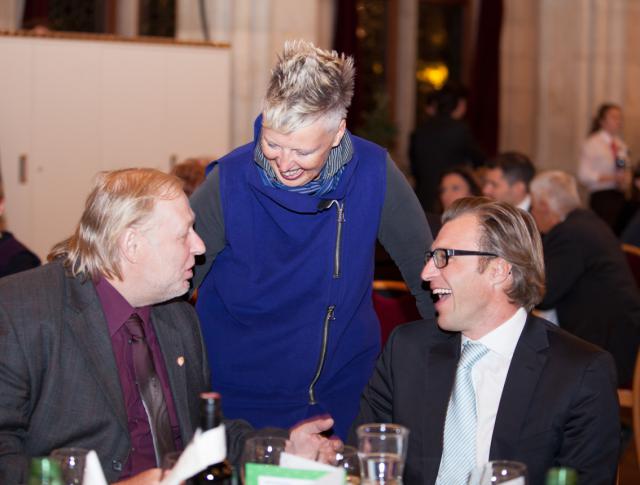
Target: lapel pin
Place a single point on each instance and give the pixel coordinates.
(180, 361)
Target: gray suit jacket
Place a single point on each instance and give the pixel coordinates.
(558, 407)
(59, 384)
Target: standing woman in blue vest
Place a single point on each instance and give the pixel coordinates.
(290, 222)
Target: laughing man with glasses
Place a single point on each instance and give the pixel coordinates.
(489, 381)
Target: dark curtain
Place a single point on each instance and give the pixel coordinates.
(345, 40)
(36, 12)
(484, 89)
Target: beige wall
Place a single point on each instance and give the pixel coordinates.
(560, 60)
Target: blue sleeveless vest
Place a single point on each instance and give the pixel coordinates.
(286, 310)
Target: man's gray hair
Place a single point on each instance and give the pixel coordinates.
(558, 189)
(306, 84)
(119, 200)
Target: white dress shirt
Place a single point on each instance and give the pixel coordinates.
(489, 376)
(525, 204)
(597, 159)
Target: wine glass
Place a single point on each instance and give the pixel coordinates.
(262, 449)
(347, 459)
(500, 471)
(72, 462)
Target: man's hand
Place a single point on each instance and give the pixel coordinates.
(149, 477)
(306, 441)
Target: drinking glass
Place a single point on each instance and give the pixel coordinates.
(262, 449)
(382, 449)
(501, 471)
(72, 462)
(347, 458)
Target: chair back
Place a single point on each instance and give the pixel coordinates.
(394, 304)
(630, 398)
(633, 258)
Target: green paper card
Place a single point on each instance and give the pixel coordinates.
(258, 474)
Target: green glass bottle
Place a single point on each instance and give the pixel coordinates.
(44, 471)
(211, 417)
(562, 476)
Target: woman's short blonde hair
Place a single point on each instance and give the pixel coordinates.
(306, 84)
(511, 233)
(119, 200)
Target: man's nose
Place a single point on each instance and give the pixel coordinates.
(429, 270)
(197, 244)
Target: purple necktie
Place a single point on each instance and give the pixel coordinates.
(150, 389)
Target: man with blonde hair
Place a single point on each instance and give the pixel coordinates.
(97, 351)
(588, 279)
(290, 222)
(490, 381)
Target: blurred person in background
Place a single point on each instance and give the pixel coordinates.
(443, 141)
(603, 167)
(191, 172)
(14, 256)
(631, 215)
(290, 222)
(588, 279)
(456, 183)
(507, 178)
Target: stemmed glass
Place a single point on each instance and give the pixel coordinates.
(262, 449)
(500, 471)
(347, 459)
(72, 462)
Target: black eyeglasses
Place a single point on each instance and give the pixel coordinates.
(441, 256)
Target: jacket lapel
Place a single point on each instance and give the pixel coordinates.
(85, 318)
(442, 361)
(527, 364)
(173, 352)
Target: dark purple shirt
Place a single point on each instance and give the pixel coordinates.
(116, 311)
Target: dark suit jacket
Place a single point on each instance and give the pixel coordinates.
(590, 285)
(59, 384)
(558, 408)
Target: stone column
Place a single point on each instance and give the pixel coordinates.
(405, 86)
(559, 67)
(127, 18)
(11, 12)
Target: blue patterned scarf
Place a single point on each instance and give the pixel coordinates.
(326, 181)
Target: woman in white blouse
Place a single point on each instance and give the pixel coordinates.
(604, 165)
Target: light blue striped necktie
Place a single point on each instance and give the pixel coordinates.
(459, 443)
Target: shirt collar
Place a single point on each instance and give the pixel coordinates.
(607, 136)
(116, 308)
(525, 204)
(503, 339)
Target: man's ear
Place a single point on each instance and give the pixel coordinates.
(129, 244)
(500, 271)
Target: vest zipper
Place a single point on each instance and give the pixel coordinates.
(338, 250)
(323, 352)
